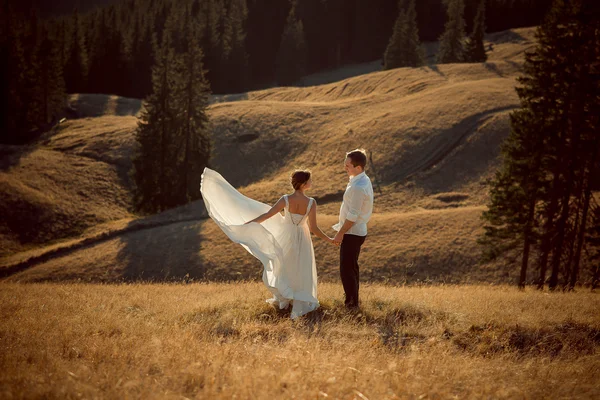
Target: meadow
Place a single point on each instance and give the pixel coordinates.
(221, 340)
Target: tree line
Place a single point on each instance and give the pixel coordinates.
(404, 48)
(32, 84)
(247, 44)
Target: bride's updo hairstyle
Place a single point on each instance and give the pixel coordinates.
(299, 177)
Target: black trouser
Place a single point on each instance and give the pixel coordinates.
(349, 252)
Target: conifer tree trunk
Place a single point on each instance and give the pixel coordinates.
(571, 239)
(164, 126)
(596, 278)
(566, 197)
(548, 231)
(163, 157)
(527, 242)
(580, 239)
(188, 128)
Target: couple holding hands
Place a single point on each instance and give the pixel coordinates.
(282, 242)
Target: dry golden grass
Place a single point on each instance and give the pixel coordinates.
(51, 195)
(222, 341)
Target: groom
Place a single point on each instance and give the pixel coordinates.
(355, 212)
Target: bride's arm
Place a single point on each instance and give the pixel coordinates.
(274, 210)
(312, 224)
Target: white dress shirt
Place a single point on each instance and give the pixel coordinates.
(357, 205)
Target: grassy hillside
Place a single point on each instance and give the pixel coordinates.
(434, 134)
(72, 180)
(223, 341)
(432, 245)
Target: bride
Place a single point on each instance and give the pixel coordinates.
(281, 242)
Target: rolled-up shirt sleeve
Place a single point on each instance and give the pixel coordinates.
(355, 202)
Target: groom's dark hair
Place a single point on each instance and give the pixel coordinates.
(358, 157)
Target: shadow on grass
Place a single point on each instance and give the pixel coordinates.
(126, 106)
(167, 253)
(492, 67)
(428, 156)
(330, 197)
(96, 105)
(154, 250)
(248, 147)
(10, 155)
(568, 338)
(397, 327)
(87, 105)
(506, 37)
(434, 68)
(227, 98)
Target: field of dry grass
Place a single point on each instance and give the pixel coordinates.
(223, 341)
(434, 133)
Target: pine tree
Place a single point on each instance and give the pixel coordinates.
(98, 61)
(516, 189)
(519, 186)
(404, 48)
(116, 62)
(593, 238)
(14, 78)
(292, 56)
(211, 15)
(31, 89)
(363, 23)
(395, 53)
(553, 150)
(23, 42)
(61, 41)
(4, 71)
(570, 36)
(415, 51)
(141, 75)
(51, 80)
(173, 131)
(451, 42)
(234, 62)
(151, 172)
(77, 61)
(475, 51)
(579, 44)
(191, 93)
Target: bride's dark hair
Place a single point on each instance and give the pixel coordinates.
(299, 177)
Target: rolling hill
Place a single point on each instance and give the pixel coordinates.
(433, 132)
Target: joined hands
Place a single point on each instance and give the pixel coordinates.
(337, 240)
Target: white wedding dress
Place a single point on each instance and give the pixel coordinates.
(282, 243)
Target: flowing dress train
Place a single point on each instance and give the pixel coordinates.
(282, 243)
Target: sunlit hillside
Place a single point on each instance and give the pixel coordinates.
(433, 133)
